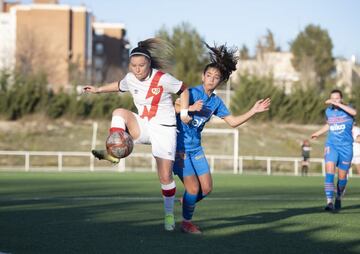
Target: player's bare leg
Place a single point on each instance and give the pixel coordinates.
(357, 166)
(206, 184)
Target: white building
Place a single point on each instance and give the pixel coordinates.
(278, 66)
(275, 64)
(347, 72)
(8, 39)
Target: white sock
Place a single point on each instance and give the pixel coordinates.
(117, 122)
(168, 191)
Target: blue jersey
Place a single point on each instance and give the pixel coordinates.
(340, 127)
(189, 135)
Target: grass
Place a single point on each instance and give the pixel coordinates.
(122, 213)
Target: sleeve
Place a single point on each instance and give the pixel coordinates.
(171, 84)
(221, 110)
(326, 113)
(193, 97)
(123, 84)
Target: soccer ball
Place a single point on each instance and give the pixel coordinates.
(119, 144)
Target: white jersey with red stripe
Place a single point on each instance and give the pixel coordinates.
(152, 97)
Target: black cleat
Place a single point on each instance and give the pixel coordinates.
(337, 204)
(329, 207)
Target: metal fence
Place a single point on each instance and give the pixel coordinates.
(228, 163)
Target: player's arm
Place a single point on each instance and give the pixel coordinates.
(111, 87)
(260, 106)
(351, 111)
(197, 106)
(184, 106)
(320, 132)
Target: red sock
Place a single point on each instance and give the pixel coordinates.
(114, 129)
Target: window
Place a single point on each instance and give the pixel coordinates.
(99, 48)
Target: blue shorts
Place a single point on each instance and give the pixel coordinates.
(190, 163)
(340, 155)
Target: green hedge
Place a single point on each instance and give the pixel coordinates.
(304, 106)
(27, 95)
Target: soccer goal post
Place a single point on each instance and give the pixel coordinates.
(235, 143)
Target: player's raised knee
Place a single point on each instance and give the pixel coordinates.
(192, 189)
(206, 190)
(120, 112)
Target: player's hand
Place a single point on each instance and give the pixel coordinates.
(261, 105)
(90, 89)
(186, 119)
(331, 102)
(197, 106)
(314, 136)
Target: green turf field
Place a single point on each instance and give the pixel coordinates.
(122, 213)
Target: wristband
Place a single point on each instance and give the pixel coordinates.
(184, 112)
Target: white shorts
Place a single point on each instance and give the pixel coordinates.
(356, 160)
(162, 138)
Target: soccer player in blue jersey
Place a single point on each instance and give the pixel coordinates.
(338, 147)
(190, 163)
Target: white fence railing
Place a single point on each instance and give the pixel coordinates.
(237, 165)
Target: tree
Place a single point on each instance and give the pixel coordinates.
(270, 41)
(266, 44)
(313, 47)
(189, 55)
(244, 53)
(301, 106)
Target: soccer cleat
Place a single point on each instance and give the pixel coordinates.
(169, 222)
(190, 228)
(329, 207)
(337, 204)
(103, 155)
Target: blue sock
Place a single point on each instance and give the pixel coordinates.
(200, 196)
(329, 186)
(341, 184)
(188, 206)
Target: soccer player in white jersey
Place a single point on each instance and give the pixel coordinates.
(155, 122)
(356, 148)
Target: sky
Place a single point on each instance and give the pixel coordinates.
(235, 22)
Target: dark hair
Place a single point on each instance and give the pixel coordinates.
(337, 91)
(152, 49)
(223, 59)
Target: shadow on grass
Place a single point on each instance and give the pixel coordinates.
(63, 226)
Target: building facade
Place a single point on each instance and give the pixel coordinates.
(110, 51)
(278, 66)
(59, 40)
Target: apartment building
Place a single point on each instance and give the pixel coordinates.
(61, 40)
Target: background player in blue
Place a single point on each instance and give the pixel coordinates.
(338, 147)
(190, 163)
